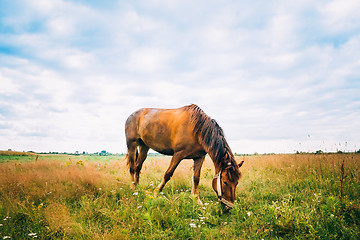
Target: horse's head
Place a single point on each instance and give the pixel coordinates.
(225, 182)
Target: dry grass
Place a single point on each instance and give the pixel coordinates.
(59, 219)
(51, 180)
(298, 165)
(15, 153)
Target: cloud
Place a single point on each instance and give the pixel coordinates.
(270, 73)
(148, 60)
(341, 17)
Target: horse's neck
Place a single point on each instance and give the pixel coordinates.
(217, 165)
(219, 162)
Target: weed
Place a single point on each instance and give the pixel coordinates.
(343, 176)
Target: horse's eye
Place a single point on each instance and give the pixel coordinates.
(226, 183)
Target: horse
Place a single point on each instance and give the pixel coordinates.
(184, 133)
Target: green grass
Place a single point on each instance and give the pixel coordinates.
(279, 197)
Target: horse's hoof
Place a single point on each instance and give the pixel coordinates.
(197, 198)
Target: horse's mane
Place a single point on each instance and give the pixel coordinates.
(212, 138)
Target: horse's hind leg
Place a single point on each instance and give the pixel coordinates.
(132, 158)
(198, 162)
(140, 160)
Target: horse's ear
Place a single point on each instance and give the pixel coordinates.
(240, 164)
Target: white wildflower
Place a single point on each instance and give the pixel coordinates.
(193, 225)
(135, 193)
(248, 213)
(6, 237)
(32, 235)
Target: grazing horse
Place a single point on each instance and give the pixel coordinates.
(184, 133)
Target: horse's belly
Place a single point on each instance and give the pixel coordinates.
(165, 151)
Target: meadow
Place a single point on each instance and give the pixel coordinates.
(290, 196)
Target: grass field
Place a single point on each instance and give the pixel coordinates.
(300, 196)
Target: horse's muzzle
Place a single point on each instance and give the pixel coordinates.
(226, 205)
(225, 208)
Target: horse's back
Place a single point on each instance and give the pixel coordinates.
(149, 116)
(162, 124)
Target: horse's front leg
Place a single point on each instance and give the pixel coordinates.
(198, 162)
(175, 160)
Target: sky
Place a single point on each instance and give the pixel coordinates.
(278, 76)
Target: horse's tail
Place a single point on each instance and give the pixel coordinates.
(127, 159)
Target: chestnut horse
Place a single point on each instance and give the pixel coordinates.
(184, 133)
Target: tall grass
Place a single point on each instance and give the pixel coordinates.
(280, 196)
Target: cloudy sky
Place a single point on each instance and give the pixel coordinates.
(278, 76)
